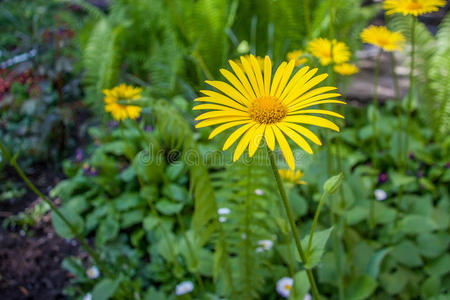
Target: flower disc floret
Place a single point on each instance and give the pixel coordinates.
(267, 110)
(412, 7)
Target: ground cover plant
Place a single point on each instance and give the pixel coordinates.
(224, 159)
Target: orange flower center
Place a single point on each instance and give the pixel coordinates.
(413, 5)
(267, 110)
(288, 287)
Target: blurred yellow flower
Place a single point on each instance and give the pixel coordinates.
(122, 92)
(292, 176)
(297, 56)
(382, 37)
(321, 48)
(412, 7)
(267, 106)
(346, 69)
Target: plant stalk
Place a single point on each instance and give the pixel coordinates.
(411, 85)
(290, 215)
(306, 11)
(12, 161)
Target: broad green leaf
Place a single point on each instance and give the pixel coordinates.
(61, 228)
(432, 245)
(373, 267)
(414, 224)
(74, 266)
(301, 286)
(407, 253)
(150, 223)
(176, 192)
(169, 208)
(430, 287)
(107, 231)
(132, 217)
(361, 288)
(317, 249)
(153, 294)
(440, 266)
(105, 289)
(127, 201)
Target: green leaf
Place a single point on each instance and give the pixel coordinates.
(301, 286)
(169, 208)
(414, 224)
(153, 294)
(440, 266)
(430, 287)
(407, 253)
(175, 170)
(317, 249)
(176, 192)
(373, 267)
(432, 245)
(150, 223)
(107, 231)
(105, 289)
(60, 226)
(357, 214)
(361, 288)
(127, 201)
(74, 266)
(132, 217)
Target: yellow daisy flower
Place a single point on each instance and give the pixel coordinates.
(382, 37)
(297, 55)
(346, 69)
(412, 7)
(292, 176)
(122, 92)
(267, 106)
(321, 48)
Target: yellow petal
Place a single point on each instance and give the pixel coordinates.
(317, 111)
(211, 106)
(256, 139)
(220, 120)
(236, 134)
(285, 148)
(258, 74)
(251, 76)
(314, 93)
(319, 102)
(286, 75)
(267, 75)
(301, 82)
(300, 90)
(243, 143)
(270, 138)
(293, 82)
(295, 137)
(229, 113)
(240, 74)
(235, 82)
(228, 90)
(304, 131)
(276, 78)
(226, 126)
(218, 98)
(312, 120)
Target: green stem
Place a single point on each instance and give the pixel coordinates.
(307, 18)
(247, 235)
(316, 217)
(290, 215)
(395, 77)
(411, 85)
(31, 186)
(377, 77)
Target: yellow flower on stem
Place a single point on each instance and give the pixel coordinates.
(292, 176)
(412, 7)
(126, 93)
(297, 55)
(267, 106)
(346, 69)
(321, 48)
(382, 37)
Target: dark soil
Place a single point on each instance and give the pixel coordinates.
(30, 266)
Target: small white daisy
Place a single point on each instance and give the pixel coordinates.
(307, 297)
(259, 192)
(243, 236)
(93, 272)
(184, 287)
(223, 211)
(284, 286)
(266, 244)
(259, 250)
(88, 296)
(380, 195)
(222, 219)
